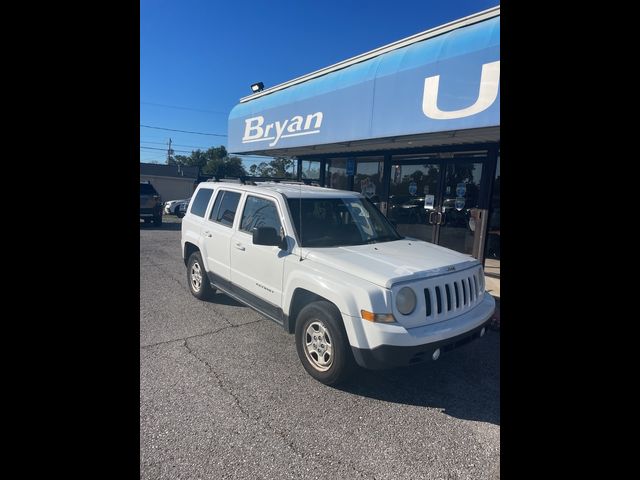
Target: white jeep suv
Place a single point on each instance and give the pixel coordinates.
(328, 266)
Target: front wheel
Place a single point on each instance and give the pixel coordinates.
(322, 344)
(197, 277)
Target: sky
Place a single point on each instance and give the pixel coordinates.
(199, 57)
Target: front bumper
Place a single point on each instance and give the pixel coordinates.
(389, 356)
(393, 345)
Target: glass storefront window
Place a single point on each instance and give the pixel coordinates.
(368, 177)
(311, 169)
(337, 174)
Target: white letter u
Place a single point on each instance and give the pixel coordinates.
(489, 80)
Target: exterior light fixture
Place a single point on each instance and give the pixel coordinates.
(257, 87)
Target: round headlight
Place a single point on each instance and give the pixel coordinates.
(406, 301)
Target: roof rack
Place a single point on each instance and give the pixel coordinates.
(241, 180)
(246, 180)
(305, 181)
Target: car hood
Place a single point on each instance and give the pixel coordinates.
(391, 262)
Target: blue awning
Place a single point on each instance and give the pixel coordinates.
(449, 82)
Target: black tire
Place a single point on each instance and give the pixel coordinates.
(147, 220)
(179, 214)
(340, 363)
(157, 221)
(193, 266)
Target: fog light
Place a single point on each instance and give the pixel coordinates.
(436, 354)
(482, 332)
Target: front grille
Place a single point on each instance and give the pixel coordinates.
(438, 300)
(427, 301)
(454, 294)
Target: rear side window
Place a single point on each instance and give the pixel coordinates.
(199, 205)
(224, 208)
(259, 212)
(147, 189)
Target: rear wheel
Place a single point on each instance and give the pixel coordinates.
(157, 220)
(197, 278)
(322, 344)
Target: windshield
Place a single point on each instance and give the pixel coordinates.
(336, 222)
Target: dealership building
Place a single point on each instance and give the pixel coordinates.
(413, 125)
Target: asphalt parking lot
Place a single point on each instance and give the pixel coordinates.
(224, 395)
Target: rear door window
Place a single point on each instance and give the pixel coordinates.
(224, 208)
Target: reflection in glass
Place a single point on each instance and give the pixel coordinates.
(337, 175)
(460, 212)
(410, 186)
(368, 178)
(311, 169)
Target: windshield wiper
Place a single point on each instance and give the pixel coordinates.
(380, 239)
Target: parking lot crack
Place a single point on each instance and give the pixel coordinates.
(218, 378)
(221, 384)
(182, 339)
(168, 273)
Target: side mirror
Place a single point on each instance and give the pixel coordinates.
(268, 236)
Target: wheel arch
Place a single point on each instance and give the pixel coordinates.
(189, 248)
(301, 298)
(346, 293)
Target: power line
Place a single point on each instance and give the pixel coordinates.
(176, 144)
(202, 148)
(183, 108)
(261, 157)
(184, 131)
(164, 149)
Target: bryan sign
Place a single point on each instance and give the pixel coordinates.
(256, 131)
(360, 121)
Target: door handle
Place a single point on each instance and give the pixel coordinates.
(207, 234)
(239, 246)
(441, 218)
(431, 216)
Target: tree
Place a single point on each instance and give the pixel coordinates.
(225, 167)
(213, 161)
(278, 167)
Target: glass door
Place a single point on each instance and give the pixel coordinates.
(413, 195)
(459, 222)
(439, 199)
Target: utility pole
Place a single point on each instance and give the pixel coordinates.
(169, 152)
